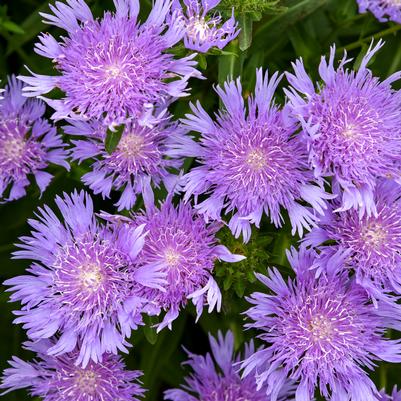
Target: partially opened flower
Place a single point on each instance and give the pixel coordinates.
(383, 10)
(113, 68)
(373, 242)
(28, 143)
(202, 30)
(180, 244)
(81, 283)
(353, 126)
(250, 162)
(139, 158)
(60, 379)
(215, 377)
(320, 332)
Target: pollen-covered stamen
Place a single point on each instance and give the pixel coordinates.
(131, 145)
(374, 234)
(86, 380)
(172, 257)
(12, 149)
(256, 159)
(321, 328)
(91, 276)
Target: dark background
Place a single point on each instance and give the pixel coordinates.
(281, 33)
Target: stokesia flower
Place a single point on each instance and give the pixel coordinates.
(139, 158)
(383, 10)
(215, 377)
(320, 331)
(353, 126)
(28, 143)
(113, 68)
(203, 31)
(373, 242)
(250, 162)
(81, 284)
(60, 379)
(180, 244)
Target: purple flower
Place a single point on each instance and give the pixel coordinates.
(60, 379)
(180, 244)
(395, 395)
(140, 158)
(203, 31)
(81, 285)
(28, 143)
(112, 67)
(373, 242)
(383, 10)
(353, 125)
(215, 377)
(320, 331)
(250, 163)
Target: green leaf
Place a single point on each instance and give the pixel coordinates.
(245, 37)
(12, 27)
(113, 138)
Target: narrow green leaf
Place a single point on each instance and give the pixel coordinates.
(12, 27)
(245, 21)
(149, 331)
(113, 138)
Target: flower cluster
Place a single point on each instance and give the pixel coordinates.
(326, 161)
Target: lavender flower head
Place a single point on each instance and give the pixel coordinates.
(320, 331)
(373, 242)
(60, 379)
(204, 31)
(28, 143)
(139, 159)
(250, 162)
(353, 125)
(215, 377)
(81, 285)
(180, 244)
(113, 67)
(383, 10)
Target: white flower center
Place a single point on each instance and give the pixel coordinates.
(131, 145)
(373, 234)
(86, 381)
(113, 71)
(350, 131)
(198, 29)
(172, 257)
(393, 2)
(12, 149)
(256, 159)
(91, 277)
(321, 328)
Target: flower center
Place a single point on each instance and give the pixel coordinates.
(86, 381)
(350, 132)
(172, 257)
(256, 159)
(198, 29)
(91, 277)
(113, 71)
(12, 149)
(373, 234)
(131, 145)
(321, 328)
